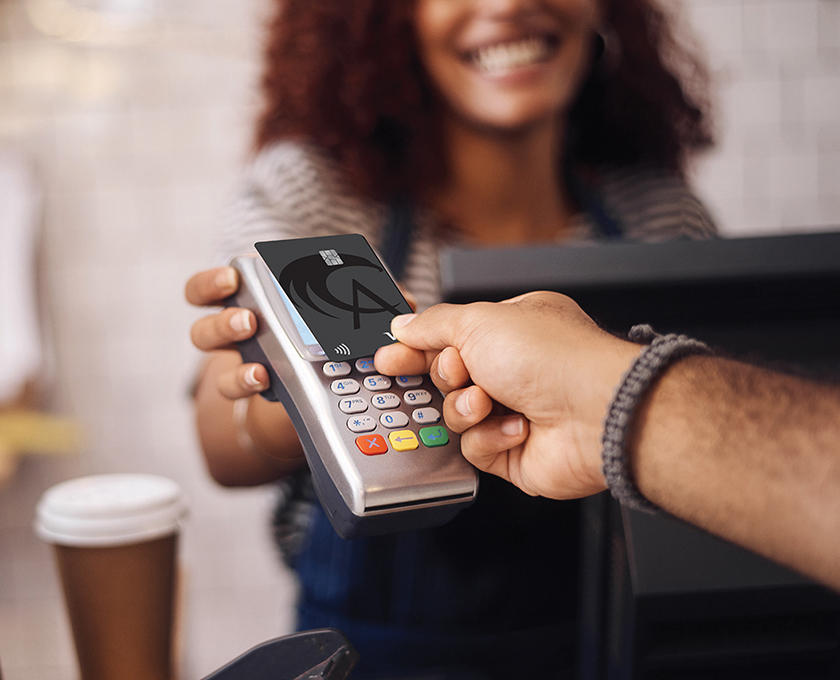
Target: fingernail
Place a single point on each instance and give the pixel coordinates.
(462, 404)
(251, 377)
(512, 426)
(241, 321)
(402, 321)
(441, 374)
(226, 279)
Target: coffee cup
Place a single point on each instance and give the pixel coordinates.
(115, 539)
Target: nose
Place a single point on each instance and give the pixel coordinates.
(504, 9)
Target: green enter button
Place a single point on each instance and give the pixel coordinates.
(434, 436)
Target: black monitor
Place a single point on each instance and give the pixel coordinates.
(661, 599)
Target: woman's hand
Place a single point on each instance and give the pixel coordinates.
(222, 329)
(242, 447)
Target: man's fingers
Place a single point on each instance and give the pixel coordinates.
(212, 286)
(488, 444)
(219, 331)
(448, 370)
(399, 359)
(463, 409)
(438, 327)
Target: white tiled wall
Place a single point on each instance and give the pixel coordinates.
(136, 143)
(776, 65)
(137, 140)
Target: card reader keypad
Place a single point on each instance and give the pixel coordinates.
(388, 414)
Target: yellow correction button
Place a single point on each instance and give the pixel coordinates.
(403, 440)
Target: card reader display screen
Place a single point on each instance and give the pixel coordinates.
(341, 290)
(305, 334)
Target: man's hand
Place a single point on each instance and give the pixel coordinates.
(527, 381)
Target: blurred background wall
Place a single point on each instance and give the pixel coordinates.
(777, 69)
(132, 118)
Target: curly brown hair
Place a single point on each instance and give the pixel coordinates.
(346, 75)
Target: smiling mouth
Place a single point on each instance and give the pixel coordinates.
(502, 57)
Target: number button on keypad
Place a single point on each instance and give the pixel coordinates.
(409, 380)
(365, 365)
(337, 369)
(417, 397)
(377, 383)
(353, 405)
(344, 386)
(393, 419)
(385, 401)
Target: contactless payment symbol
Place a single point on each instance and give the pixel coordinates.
(341, 290)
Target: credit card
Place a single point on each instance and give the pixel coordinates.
(341, 290)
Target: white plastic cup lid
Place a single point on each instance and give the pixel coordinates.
(109, 510)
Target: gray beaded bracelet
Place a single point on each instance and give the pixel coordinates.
(662, 350)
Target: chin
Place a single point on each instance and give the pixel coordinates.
(518, 119)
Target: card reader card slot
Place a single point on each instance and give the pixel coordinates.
(441, 500)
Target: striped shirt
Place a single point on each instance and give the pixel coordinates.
(292, 190)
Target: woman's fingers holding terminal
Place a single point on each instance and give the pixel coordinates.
(243, 381)
(211, 286)
(220, 331)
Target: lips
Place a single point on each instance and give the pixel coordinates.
(515, 54)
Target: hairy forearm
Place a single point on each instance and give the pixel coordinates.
(276, 451)
(750, 455)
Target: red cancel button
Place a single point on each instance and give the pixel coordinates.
(372, 444)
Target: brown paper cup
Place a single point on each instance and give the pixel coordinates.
(115, 539)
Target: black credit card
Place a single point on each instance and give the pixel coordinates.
(341, 290)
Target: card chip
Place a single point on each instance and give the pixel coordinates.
(331, 257)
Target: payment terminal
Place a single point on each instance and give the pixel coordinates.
(381, 458)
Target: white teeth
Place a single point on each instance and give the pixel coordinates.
(507, 56)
